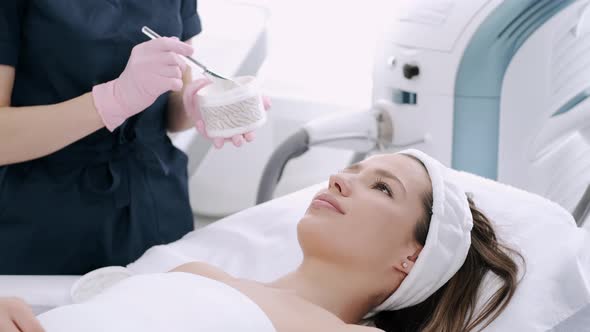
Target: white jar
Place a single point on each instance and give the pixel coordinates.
(229, 109)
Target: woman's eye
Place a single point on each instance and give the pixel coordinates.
(382, 186)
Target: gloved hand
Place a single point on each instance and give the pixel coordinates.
(191, 106)
(154, 67)
(17, 316)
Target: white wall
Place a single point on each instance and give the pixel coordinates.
(322, 50)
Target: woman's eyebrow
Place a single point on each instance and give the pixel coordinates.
(380, 172)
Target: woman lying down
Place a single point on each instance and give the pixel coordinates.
(391, 237)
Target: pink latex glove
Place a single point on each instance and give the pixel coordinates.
(154, 67)
(191, 106)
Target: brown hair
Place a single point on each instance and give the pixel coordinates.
(452, 307)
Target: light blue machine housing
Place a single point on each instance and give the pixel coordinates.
(479, 81)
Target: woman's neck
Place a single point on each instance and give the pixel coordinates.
(346, 294)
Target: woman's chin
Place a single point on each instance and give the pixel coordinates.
(315, 216)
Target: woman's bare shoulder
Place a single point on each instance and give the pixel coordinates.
(205, 270)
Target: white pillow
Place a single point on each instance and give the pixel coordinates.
(556, 283)
(261, 243)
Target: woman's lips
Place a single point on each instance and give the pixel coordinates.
(327, 201)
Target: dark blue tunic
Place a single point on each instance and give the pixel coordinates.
(108, 197)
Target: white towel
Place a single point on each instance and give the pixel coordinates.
(162, 302)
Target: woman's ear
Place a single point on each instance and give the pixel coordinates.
(406, 265)
(414, 257)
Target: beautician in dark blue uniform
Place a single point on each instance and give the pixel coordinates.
(88, 175)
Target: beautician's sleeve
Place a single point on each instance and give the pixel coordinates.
(191, 23)
(11, 18)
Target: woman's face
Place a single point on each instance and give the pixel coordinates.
(366, 217)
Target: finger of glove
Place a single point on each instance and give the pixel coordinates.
(167, 44)
(237, 140)
(267, 103)
(249, 136)
(170, 72)
(172, 59)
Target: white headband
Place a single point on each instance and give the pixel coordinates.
(447, 243)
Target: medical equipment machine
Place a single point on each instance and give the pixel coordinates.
(497, 88)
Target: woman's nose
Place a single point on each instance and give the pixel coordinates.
(338, 182)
